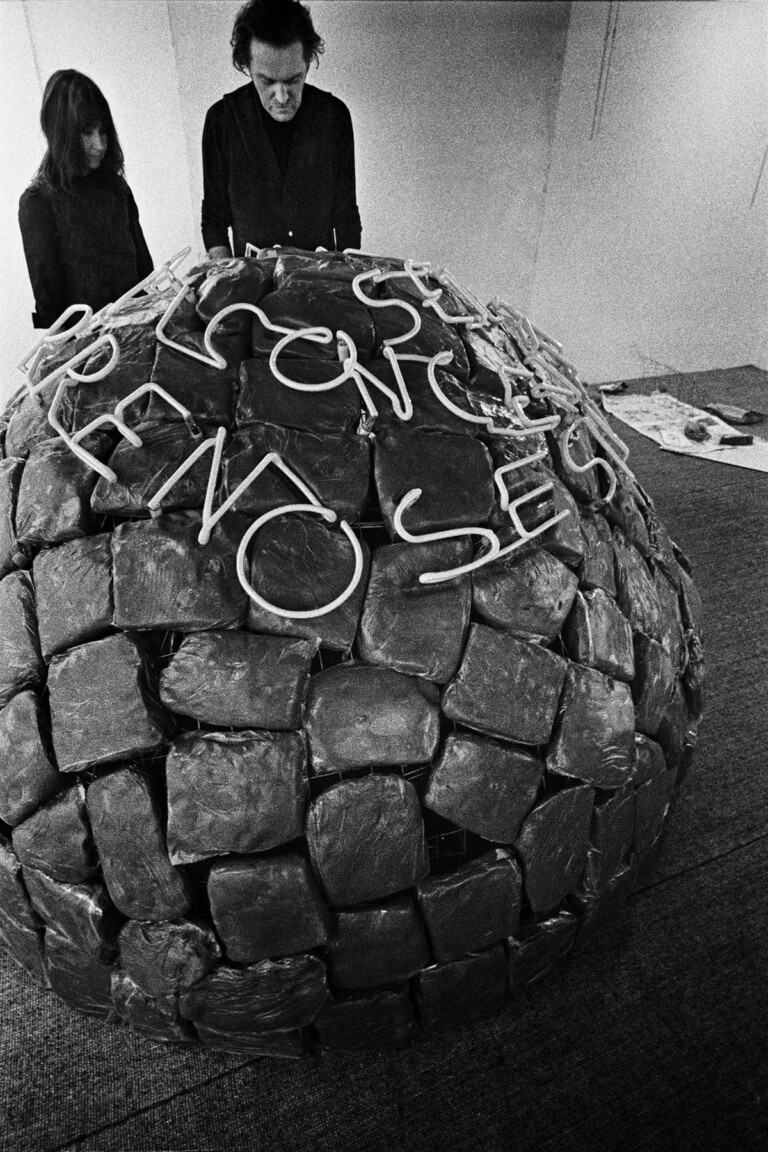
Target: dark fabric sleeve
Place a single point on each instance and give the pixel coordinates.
(144, 263)
(346, 217)
(216, 215)
(43, 256)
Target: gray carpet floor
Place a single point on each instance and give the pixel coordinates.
(653, 1039)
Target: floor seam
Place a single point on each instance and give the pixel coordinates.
(149, 1108)
(701, 864)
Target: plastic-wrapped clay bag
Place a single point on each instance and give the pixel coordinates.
(347, 672)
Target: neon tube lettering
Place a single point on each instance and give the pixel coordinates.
(213, 358)
(377, 275)
(294, 613)
(594, 462)
(407, 502)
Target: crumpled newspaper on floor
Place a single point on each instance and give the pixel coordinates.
(664, 418)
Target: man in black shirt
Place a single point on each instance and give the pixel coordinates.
(278, 153)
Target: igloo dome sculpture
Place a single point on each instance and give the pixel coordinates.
(347, 671)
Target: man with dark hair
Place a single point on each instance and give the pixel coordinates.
(278, 153)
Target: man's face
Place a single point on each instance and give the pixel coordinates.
(279, 75)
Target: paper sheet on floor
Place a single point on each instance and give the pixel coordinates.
(662, 417)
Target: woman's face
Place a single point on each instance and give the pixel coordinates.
(94, 144)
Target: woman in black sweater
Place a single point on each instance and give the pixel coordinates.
(79, 222)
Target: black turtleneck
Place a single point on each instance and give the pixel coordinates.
(280, 133)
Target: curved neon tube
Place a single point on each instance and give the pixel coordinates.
(299, 614)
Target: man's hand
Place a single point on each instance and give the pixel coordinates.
(219, 252)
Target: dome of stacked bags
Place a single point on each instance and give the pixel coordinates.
(346, 670)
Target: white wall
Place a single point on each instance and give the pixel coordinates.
(653, 250)
(125, 47)
(472, 128)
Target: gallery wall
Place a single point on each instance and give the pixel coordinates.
(654, 242)
(476, 148)
(127, 49)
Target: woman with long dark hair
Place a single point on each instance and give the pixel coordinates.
(79, 221)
